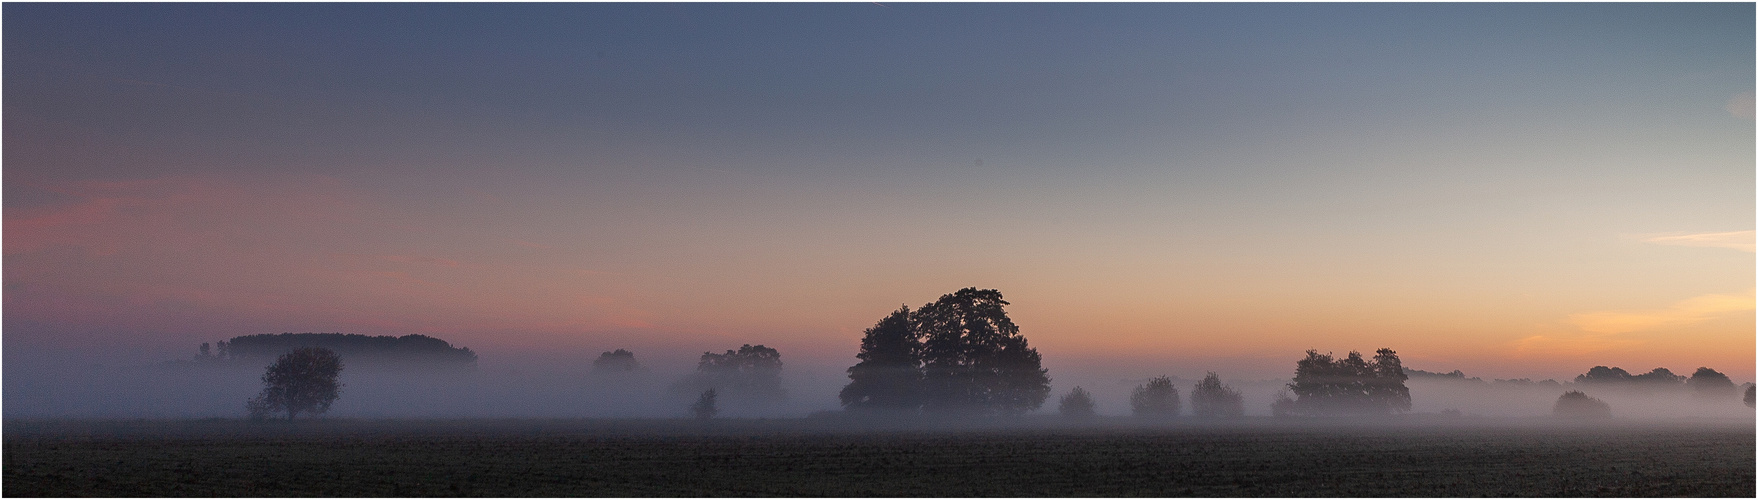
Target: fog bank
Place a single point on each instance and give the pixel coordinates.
(44, 385)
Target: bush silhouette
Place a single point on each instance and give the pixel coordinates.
(1576, 404)
(1077, 404)
(1157, 398)
(1210, 399)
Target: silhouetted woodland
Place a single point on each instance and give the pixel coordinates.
(382, 350)
(1705, 383)
(1459, 376)
(1658, 377)
(958, 354)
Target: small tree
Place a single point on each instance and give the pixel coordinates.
(705, 408)
(1157, 398)
(618, 361)
(1576, 404)
(1210, 399)
(300, 381)
(1077, 404)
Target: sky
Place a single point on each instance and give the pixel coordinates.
(1511, 190)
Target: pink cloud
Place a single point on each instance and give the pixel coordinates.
(210, 256)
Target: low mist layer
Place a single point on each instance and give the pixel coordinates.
(47, 387)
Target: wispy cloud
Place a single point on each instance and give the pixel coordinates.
(1737, 240)
(1571, 344)
(1612, 330)
(1693, 310)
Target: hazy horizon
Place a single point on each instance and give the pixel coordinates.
(1510, 190)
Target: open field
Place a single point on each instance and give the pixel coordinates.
(821, 457)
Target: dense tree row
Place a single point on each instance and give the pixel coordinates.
(1325, 385)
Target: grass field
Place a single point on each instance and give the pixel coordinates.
(804, 457)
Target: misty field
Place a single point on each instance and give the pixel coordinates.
(803, 457)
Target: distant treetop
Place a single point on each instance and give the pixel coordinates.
(357, 349)
(1453, 375)
(618, 361)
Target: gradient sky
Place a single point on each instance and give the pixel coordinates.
(1514, 190)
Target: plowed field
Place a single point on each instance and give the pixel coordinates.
(507, 459)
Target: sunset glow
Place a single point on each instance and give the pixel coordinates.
(1511, 190)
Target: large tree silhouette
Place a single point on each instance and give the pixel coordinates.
(974, 359)
(1708, 383)
(889, 375)
(303, 380)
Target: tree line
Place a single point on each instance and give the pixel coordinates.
(959, 354)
